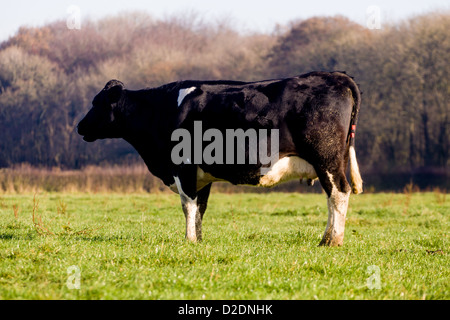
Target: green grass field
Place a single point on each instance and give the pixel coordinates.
(255, 246)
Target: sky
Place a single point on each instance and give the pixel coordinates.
(245, 15)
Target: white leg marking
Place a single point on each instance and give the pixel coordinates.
(288, 168)
(337, 211)
(355, 176)
(183, 93)
(192, 214)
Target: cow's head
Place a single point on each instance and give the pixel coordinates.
(104, 119)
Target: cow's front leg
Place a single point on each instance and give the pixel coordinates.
(194, 211)
(189, 203)
(193, 219)
(202, 200)
(193, 203)
(338, 192)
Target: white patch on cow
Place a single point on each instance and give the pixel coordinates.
(355, 176)
(183, 93)
(288, 168)
(192, 214)
(337, 211)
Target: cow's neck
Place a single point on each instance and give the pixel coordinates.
(149, 133)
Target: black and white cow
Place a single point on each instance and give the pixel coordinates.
(314, 116)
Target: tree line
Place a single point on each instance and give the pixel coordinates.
(49, 75)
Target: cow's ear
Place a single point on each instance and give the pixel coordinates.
(114, 90)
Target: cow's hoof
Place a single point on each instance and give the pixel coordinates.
(328, 242)
(194, 239)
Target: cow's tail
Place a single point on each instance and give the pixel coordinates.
(355, 175)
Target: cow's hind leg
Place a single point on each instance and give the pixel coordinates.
(338, 192)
